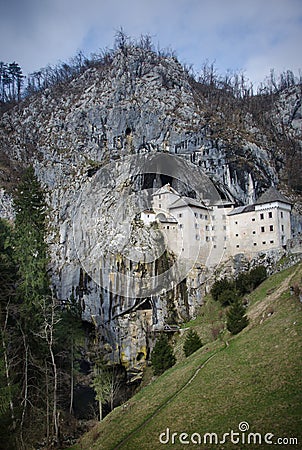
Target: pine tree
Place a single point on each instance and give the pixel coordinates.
(30, 248)
(192, 342)
(236, 318)
(162, 356)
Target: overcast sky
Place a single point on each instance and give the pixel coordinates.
(250, 35)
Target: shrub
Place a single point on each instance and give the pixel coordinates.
(192, 343)
(236, 318)
(220, 286)
(227, 297)
(162, 356)
(257, 275)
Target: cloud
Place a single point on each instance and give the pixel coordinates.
(253, 34)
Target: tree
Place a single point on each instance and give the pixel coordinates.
(162, 356)
(192, 342)
(236, 318)
(220, 286)
(102, 385)
(30, 247)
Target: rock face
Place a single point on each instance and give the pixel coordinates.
(79, 137)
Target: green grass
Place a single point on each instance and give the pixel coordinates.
(255, 378)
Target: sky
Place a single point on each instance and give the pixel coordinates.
(252, 36)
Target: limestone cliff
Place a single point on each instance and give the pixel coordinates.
(90, 139)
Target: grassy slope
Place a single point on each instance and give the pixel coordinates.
(255, 378)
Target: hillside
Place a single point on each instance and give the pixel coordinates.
(254, 377)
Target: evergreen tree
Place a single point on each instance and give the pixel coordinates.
(162, 356)
(192, 342)
(30, 248)
(236, 318)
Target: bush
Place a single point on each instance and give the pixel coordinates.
(220, 286)
(257, 275)
(192, 343)
(236, 318)
(227, 297)
(162, 356)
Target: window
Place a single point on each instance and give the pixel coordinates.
(196, 225)
(200, 216)
(159, 205)
(179, 214)
(225, 238)
(255, 243)
(271, 242)
(261, 216)
(253, 219)
(213, 238)
(264, 242)
(262, 229)
(180, 225)
(270, 215)
(168, 227)
(254, 232)
(236, 234)
(213, 227)
(281, 214)
(224, 227)
(282, 227)
(237, 246)
(271, 227)
(207, 227)
(236, 223)
(195, 214)
(206, 217)
(207, 238)
(197, 237)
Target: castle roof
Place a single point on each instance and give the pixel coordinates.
(166, 189)
(272, 195)
(242, 209)
(187, 201)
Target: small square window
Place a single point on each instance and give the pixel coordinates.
(264, 242)
(236, 234)
(237, 246)
(253, 219)
(255, 243)
(254, 232)
(271, 242)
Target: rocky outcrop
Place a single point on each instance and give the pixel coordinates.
(89, 140)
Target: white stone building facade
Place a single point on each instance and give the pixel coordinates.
(209, 233)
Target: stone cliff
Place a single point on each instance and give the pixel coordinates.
(93, 142)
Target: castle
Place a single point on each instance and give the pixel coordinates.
(209, 232)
